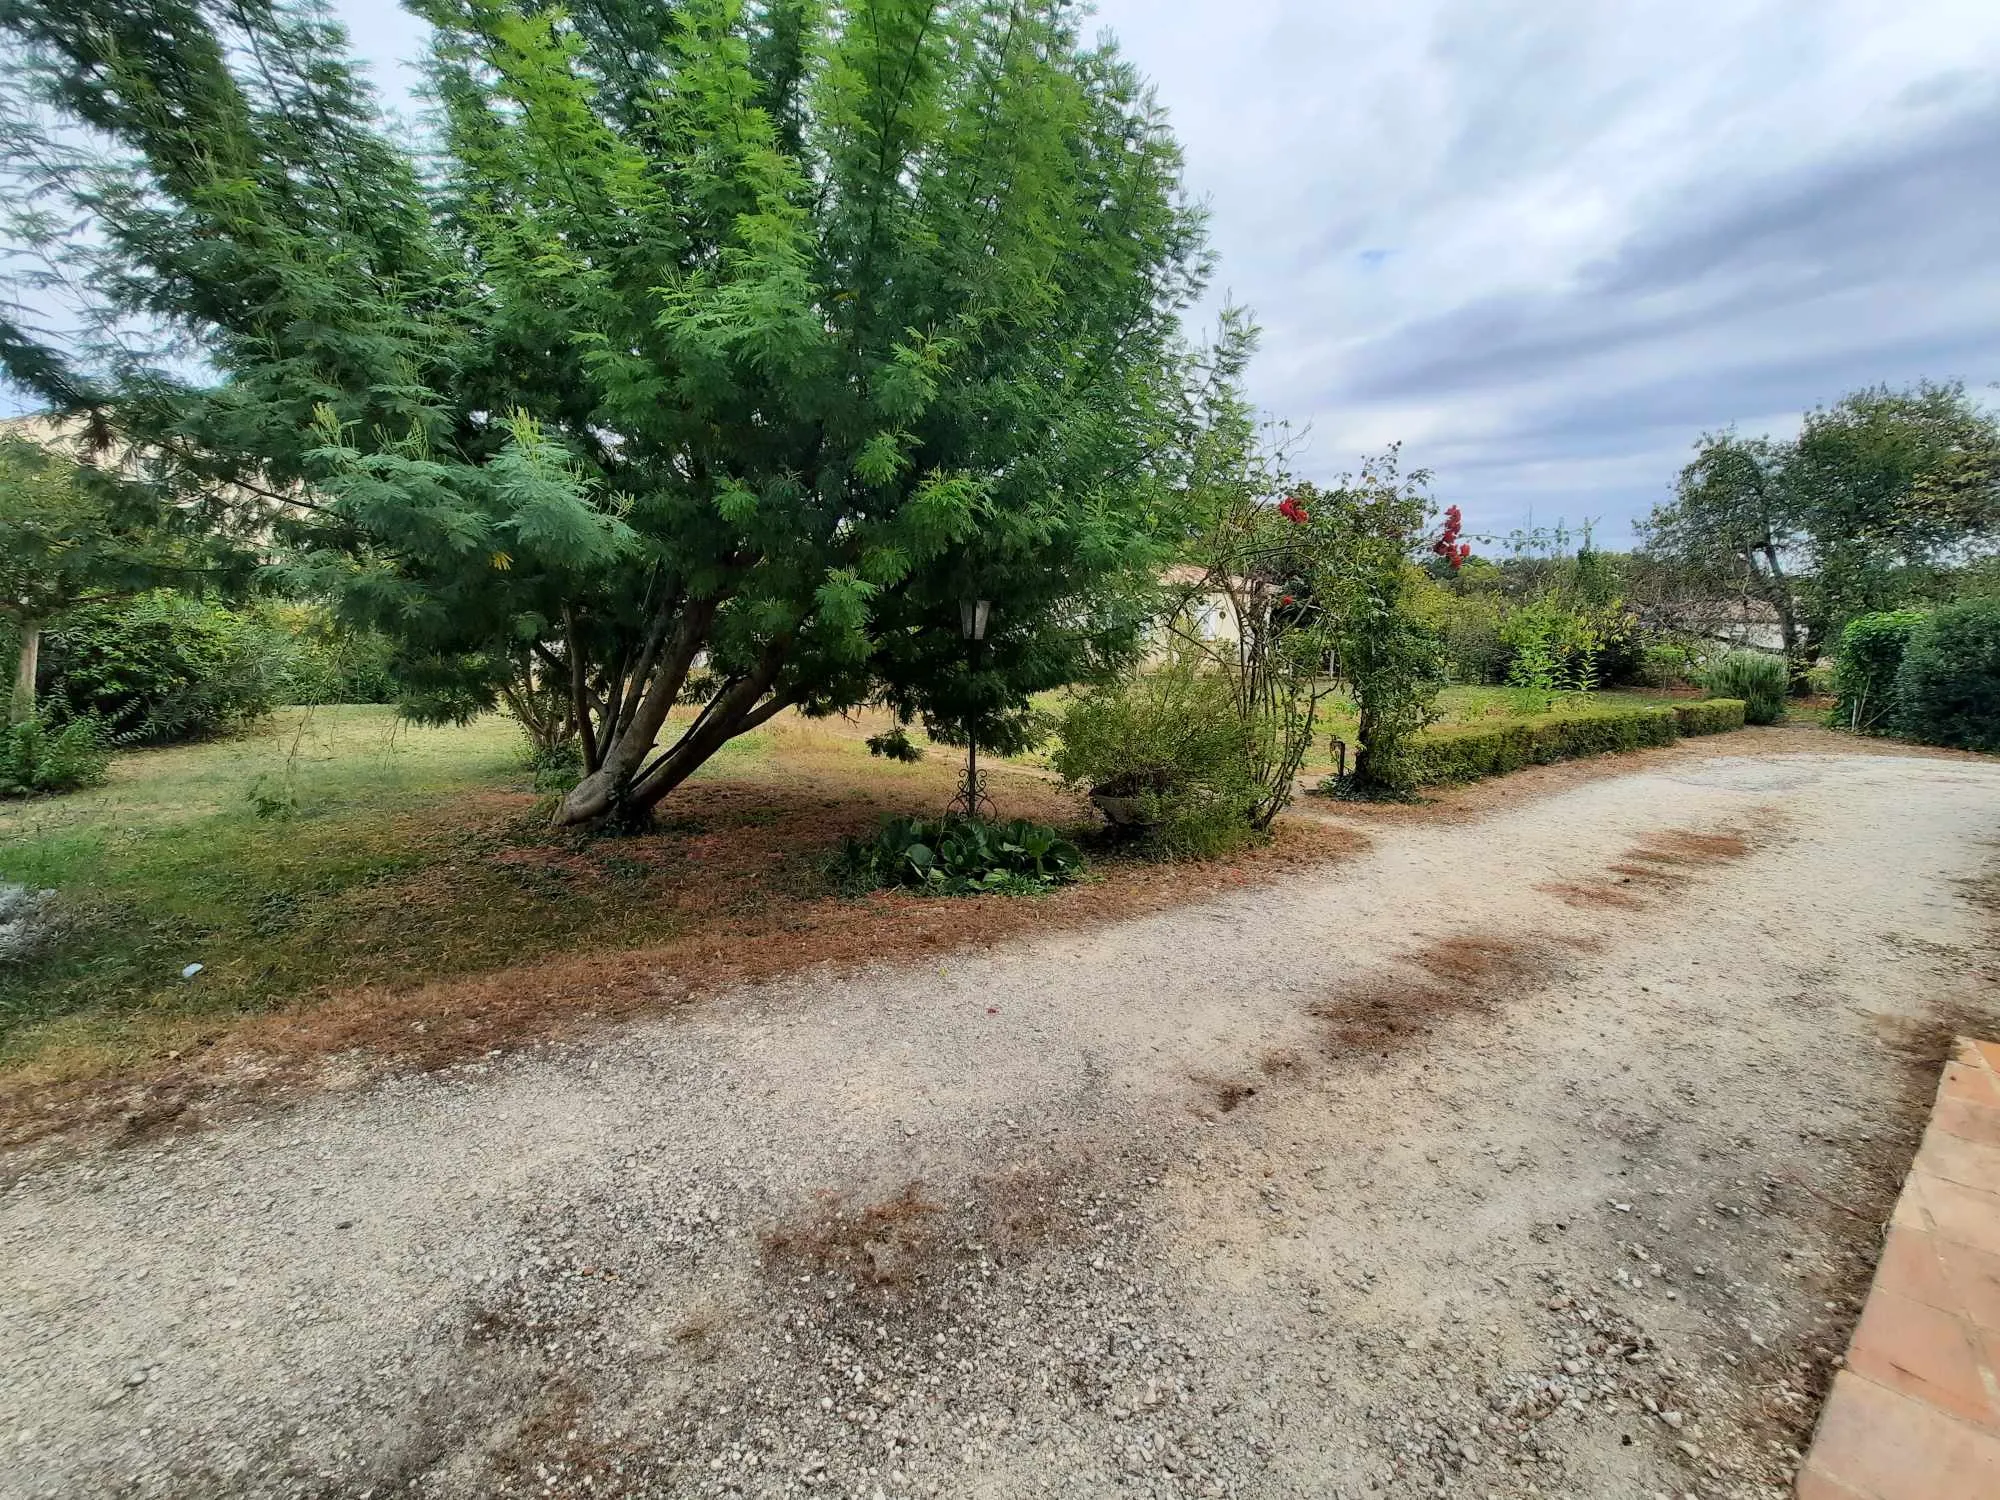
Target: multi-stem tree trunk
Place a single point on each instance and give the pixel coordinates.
(22, 706)
(626, 769)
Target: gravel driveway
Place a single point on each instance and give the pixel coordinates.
(1542, 1153)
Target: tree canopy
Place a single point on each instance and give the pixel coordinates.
(1876, 494)
(705, 343)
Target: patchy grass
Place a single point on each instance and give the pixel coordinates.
(409, 906)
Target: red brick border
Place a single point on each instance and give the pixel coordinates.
(1915, 1415)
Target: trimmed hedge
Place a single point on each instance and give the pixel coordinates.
(1478, 751)
(1865, 664)
(1948, 685)
(1710, 716)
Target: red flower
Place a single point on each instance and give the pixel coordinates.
(1286, 600)
(1292, 511)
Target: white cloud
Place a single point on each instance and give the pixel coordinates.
(1481, 225)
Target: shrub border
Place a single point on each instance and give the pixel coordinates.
(1479, 751)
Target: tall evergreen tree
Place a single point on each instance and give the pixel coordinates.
(752, 337)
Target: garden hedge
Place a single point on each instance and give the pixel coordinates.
(1478, 751)
(1710, 716)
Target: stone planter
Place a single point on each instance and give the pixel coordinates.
(1124, 812)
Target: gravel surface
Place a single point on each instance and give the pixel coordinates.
(1538, 1154)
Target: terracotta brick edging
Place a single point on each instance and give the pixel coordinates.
(1915, 1415)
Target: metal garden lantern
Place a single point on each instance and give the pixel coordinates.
(972, 800)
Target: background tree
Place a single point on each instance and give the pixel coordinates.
(1889, 487)
(71, 537)
(748, 336)
(1729, 530)
(1880, 495)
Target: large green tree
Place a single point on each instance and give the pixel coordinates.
(1879, 493)
(1733, 525)
(707, 343)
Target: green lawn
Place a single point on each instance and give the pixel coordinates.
(328, 847)
(333, 849)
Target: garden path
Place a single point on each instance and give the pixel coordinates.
(1542, 1152)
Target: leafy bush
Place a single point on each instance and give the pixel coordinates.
(556, 767)
(163, 667)
(957, 856)
(1172, 740)
(1666, 664)
(36, 757)
(895, 744)
(1453, 755)
(1757, 677)
(1948, 687)
(1710, 716)
(1865, 665)
(1469, 625)
(315, 660)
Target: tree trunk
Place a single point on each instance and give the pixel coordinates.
(1788, 620)
(23, 706)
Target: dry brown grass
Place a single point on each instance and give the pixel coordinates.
(732, 873)
(1588, 894)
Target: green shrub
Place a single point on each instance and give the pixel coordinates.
(556, 767)
(957, 856)
(1665, 664)
(1756, 677)
(1865, 665)
(1476, 751)
(38, 758)
(316, 660)
(163, 667)
(1172, 740)
(1948, 687)
(1710, 716)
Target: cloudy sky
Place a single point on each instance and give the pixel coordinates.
(1546, 243)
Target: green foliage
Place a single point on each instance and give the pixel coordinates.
(163, 668)
(1880, 495)
(1456, 755)
(895, 743)
(1865, 666)
(1757, 677)
(957, 856)
(1358, 539)
(557, 766)
(1468, 623)
(1172, 741)
(1666, 664)
(758, 335)
(316, 660)
(1544, 624)
(37, 757)
(70, 535)
(1710, 716)
(1948, 686)
(1889, 484)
